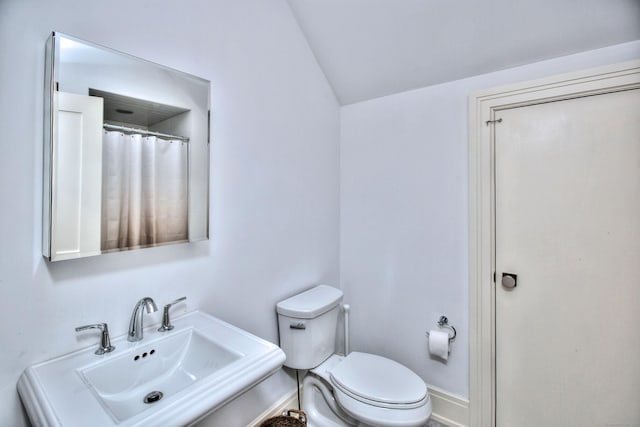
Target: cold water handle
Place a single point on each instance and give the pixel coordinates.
(166, 321)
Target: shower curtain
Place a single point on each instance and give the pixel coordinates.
(144, 191)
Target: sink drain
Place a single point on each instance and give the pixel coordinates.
(153, 397)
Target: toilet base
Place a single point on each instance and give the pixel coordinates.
(320, 406)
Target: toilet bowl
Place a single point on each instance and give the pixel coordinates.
(360, 389)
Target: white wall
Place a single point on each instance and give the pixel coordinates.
(274, 197)
(403, 214)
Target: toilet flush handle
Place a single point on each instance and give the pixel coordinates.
(298, 325)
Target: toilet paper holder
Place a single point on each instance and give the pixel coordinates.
(443, 322)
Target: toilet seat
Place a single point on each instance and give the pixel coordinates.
(384, 417)
(379, 391)
(378, 381)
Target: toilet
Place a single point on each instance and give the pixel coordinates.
(359, 389)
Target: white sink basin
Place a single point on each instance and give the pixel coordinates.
(184, 374)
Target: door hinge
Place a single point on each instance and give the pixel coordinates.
(494, 277)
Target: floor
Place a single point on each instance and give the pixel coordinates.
(432, 423)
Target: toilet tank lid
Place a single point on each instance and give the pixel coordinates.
(311, 303)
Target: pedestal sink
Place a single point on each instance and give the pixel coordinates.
(169, 378)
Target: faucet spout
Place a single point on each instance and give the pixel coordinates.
(135, 325)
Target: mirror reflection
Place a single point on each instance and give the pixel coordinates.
(127, 152)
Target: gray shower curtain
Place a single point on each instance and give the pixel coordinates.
(144, 191)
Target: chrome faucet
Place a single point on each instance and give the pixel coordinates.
(135, 325)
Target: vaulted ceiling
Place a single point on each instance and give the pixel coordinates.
(372, 48)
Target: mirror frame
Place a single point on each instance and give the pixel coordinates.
(199, 196)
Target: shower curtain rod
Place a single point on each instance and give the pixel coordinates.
(145, 132)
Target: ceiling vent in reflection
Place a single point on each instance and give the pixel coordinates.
(134, 111)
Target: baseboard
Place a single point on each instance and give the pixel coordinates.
(449, 409)
(288, 401)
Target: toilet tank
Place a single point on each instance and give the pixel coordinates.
(307, 323)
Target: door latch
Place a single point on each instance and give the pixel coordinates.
(509, 280)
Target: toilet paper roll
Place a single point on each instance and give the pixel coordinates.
(439, 344)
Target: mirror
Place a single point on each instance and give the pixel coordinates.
(126, 161)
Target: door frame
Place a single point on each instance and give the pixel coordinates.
(483, 106)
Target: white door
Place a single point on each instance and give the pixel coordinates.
(567, 223)
(77, 176)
